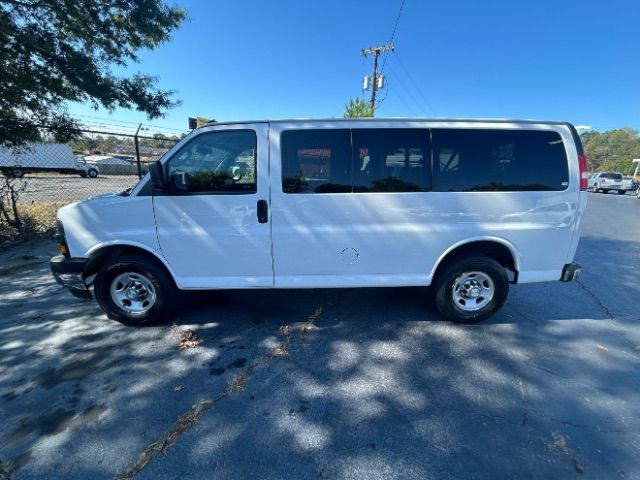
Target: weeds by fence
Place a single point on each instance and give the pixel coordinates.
(38, 177)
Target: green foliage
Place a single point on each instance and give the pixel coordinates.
(358, 108)
(106, 144)
(56, 51)
(612, 150)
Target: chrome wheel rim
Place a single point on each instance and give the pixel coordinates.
(133, 292)
(472, 291)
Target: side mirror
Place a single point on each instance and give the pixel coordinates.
(156, 171)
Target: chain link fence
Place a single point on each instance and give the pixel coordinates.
(39, 177)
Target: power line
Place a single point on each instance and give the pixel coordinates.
(112, 121)
(415, 84)
(407, 90)
(401, 98)
(393, 35)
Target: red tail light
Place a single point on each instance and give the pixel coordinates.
(584, 176)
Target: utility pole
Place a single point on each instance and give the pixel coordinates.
(375, 83)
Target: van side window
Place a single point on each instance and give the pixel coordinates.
(316, 161)
(498, 160)
(391, 160)
(215, 162)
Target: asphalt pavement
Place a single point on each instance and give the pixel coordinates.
(340, 384)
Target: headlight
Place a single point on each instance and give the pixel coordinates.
(62, 241)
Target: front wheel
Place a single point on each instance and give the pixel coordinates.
(135, 290)
(93, 173)
(471, 289)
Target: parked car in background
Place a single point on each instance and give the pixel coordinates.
(609, 181)
(36, 157)
(114, 164)
(87, 169)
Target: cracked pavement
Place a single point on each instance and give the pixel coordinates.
(367, 383)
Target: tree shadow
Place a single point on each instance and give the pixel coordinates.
(378, 385)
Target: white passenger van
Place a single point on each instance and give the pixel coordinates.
(466, 206)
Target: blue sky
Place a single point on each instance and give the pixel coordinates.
(562, 60)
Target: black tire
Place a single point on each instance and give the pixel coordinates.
(622, 192)
(17, 173)
(162, 283)
(604, 190)
(444, 284)
(93, 173)
(83, 175)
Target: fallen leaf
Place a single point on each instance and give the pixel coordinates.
(187, 339)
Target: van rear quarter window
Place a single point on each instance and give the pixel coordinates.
(469, 160)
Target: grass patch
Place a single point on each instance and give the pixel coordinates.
(6, 469)
(183, 423)
(38, 221)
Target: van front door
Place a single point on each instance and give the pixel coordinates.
(213, 222)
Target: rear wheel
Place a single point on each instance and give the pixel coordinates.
(93, 173)
(471, 289)
(604, 191)
(622, 192)
(134, 290)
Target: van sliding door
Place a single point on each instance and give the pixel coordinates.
(350, 205)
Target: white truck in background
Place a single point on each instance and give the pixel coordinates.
(609, 181)
(44, 157)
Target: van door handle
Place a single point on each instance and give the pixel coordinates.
(263, 211)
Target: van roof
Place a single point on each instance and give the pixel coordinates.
(394, 119)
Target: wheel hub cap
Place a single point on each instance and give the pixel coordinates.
(136, 291)
(472, 291)
(133, 292)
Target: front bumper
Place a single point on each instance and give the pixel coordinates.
(571, 271)
(68, 272)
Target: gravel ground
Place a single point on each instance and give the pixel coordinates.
(71, 188)
(367, 383)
